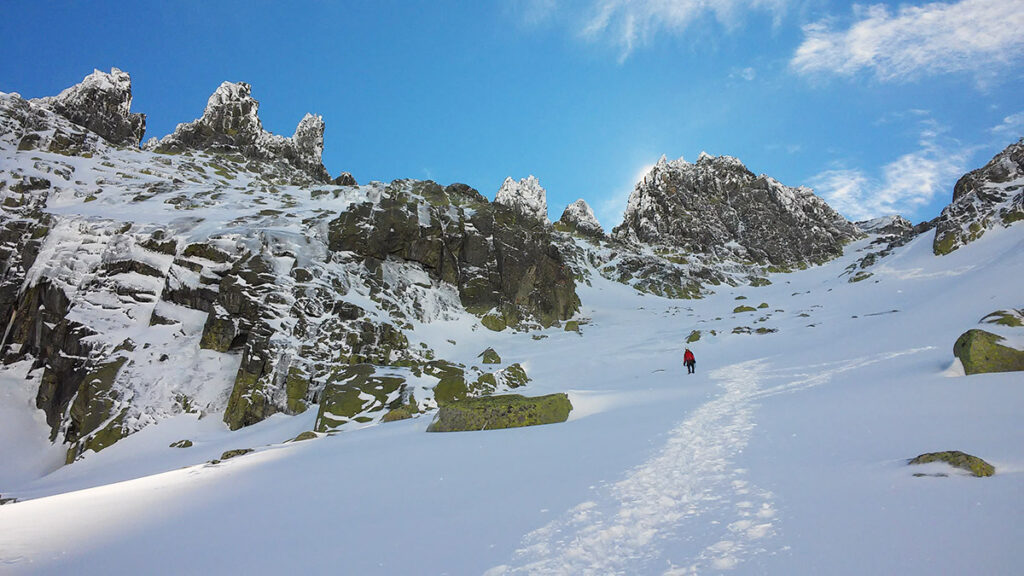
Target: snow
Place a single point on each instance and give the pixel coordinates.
(785, 453)
(525, 196)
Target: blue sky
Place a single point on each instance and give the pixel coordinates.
(879, 107)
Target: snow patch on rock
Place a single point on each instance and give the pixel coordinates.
(526, 196)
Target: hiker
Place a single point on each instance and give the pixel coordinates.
(689, 361)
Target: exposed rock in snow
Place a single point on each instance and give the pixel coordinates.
(983, 199)
(526, 197)
(579, 217)
(231, 122)
(101, 103)
(886, 225)
(717, 206)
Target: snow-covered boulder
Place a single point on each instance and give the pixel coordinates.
(101, 103)
(526, 197)
(579, 217)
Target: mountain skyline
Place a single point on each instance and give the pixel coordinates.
(875, 112)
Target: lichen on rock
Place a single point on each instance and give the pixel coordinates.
(496, 412)
(976, 466)
(980, 351)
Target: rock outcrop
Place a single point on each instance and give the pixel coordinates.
(101, 103)
(579, 218)
(525, 197)
(983, 199)
(718, 207)
(231, 123)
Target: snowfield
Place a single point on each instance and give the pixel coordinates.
(784, 454)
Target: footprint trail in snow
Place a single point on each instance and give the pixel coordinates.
(689, 493)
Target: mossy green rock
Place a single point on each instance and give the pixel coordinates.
(181, 444)
(307, 435)
(693, 337)
(572, 326)
(980, 352)
(514, 376)
(352, 392)
(494, 322)
(1011, 318)
(957, 459)
(489, 356)
(506, 411)
(741, 309)
(237, 452)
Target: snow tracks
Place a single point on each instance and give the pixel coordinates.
(688, 497)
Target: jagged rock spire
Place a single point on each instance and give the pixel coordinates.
(102, 103)
(231, 122)
(578, 216)
(525, 196)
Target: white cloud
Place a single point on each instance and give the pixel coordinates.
(629, 24)
(978, 36)
(1012, 126)
(903, 186)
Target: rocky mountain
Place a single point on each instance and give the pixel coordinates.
(231, 123)
(219, 270)
(990, 196)
(717, 208)
(225, 252)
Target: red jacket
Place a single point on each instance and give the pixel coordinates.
(688, 357)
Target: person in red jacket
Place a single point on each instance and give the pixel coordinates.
(689, 361)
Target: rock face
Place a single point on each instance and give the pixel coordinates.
(503, 261)
(980, 351)
(496, 412)
(102, 103)
(716, 206)
(579, 218)
(525, 197)
(231, 123)
(248, 282)
(983, 199)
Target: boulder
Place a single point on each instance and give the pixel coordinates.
(489, 356)
(506, 411)
(957, 459)
(980, 351)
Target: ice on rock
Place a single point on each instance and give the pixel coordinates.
(525, 196)
(580, 216)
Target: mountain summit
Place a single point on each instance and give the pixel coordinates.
(717, 206)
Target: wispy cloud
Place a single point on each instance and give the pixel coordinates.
(1011, 127)
(978, 36)
(631, 24)
(903, 186)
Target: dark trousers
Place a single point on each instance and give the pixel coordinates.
(690, 366)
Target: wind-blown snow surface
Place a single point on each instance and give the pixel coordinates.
(785, 453)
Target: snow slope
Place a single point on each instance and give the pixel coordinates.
(785, 453)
